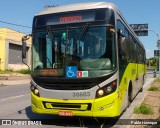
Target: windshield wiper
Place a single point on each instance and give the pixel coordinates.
(85, 27)
(52, 38)
(81, 36)
(54, 46)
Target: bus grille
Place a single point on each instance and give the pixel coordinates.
(67, 86)
(68, 106)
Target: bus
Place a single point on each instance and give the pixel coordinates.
(86, 61)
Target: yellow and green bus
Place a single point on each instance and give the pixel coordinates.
(86, 61)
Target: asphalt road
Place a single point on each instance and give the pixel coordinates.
(15, 104)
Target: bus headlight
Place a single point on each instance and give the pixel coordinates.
(100, 92)
(34, 90)
(106, 90)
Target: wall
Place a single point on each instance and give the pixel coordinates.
(8, 36)
(2, 49)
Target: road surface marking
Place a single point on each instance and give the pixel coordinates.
(13, 97)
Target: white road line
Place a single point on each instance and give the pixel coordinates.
(13, 97)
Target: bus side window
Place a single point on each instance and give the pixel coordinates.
(121, 44)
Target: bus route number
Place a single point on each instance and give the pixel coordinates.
(81, 94)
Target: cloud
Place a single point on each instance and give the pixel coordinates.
(149, 53)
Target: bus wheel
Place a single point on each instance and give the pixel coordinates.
(130, 94)
(141, 90)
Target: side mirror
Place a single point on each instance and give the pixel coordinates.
(120, 32)
(122, 43)
(24, 50)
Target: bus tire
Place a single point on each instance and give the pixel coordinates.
(141, 90)
(130, 94)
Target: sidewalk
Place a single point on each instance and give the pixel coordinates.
(152, 99)
(14, 79)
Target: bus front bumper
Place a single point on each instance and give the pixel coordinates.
(107, 106)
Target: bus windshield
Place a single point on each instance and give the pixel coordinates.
(90, 49)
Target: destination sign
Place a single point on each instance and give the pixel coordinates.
(66, 19)
(70, 17)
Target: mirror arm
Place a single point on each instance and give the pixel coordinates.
(25, 64)
(24, 38)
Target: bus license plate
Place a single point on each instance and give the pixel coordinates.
(65, 113)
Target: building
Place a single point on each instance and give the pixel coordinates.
(10, 50)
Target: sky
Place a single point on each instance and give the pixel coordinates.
(21, 12)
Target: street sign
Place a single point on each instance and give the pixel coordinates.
(140, 29)
(139, 26)
(141, 33)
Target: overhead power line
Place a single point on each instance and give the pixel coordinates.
(15, 24)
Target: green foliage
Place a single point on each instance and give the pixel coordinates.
(24, 71)
(8, 71)
(143, 109)
(157, 80)
(153, 88)
(153, 62)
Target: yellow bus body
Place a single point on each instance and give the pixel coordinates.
(101, 107)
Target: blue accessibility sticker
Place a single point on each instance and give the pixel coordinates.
(71, 71)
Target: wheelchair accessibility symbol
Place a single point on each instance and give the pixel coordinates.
(71, 71)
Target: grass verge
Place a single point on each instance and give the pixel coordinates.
(153, 88)
(10, 71)
(157, 80)
(23, 71)
(143, 109)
